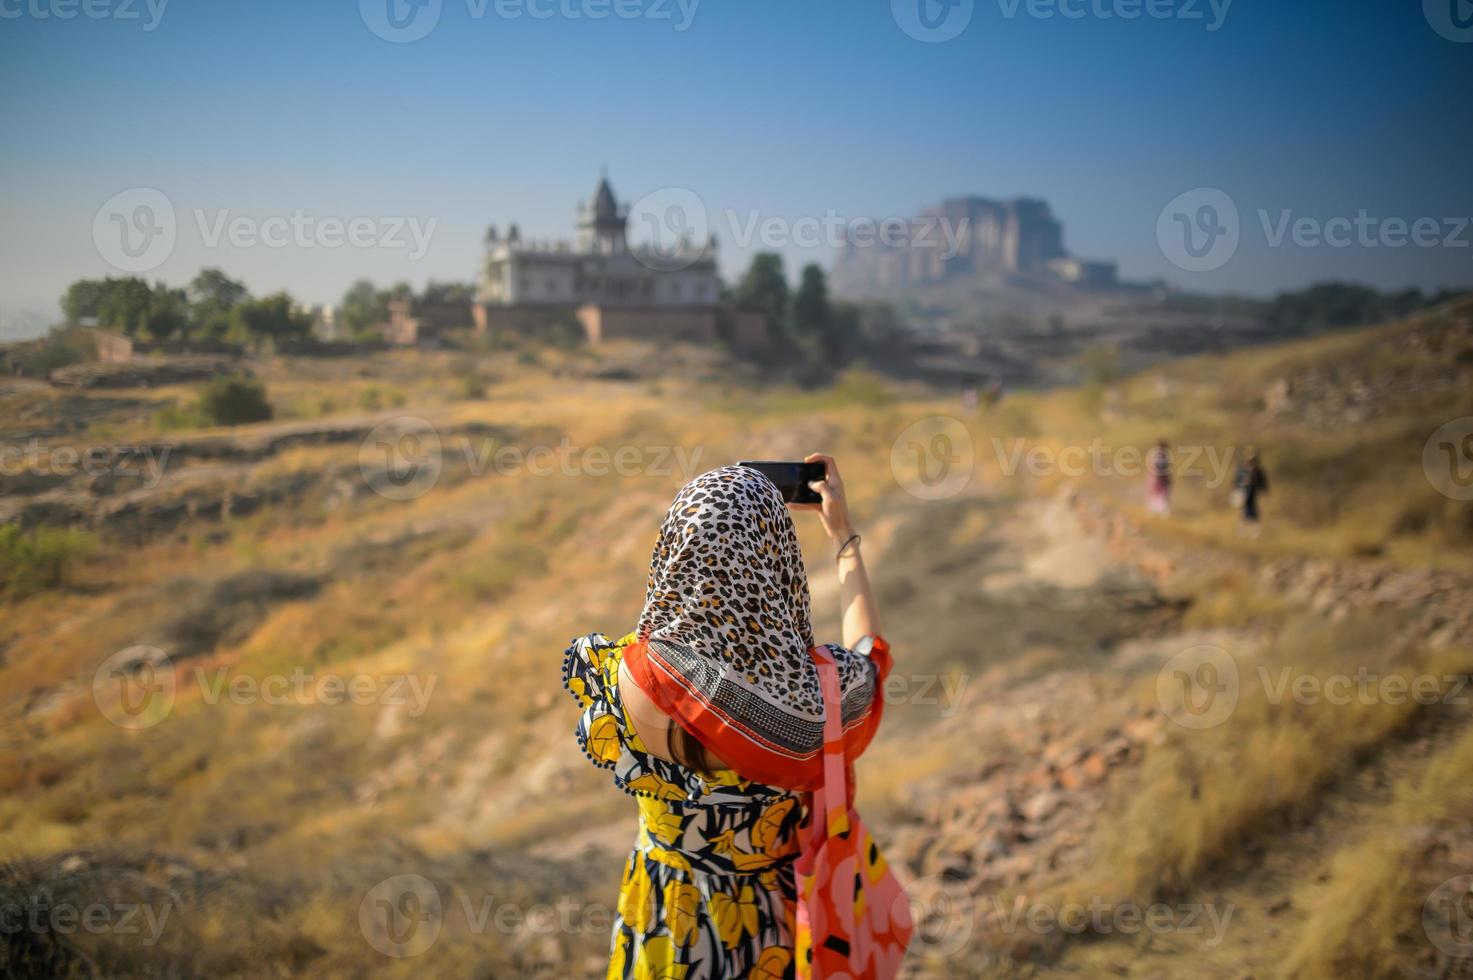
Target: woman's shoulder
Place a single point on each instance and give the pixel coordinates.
(607, 735)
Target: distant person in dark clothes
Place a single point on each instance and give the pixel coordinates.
(1250, 481)
(993, 395)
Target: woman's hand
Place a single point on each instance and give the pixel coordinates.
(834, 511)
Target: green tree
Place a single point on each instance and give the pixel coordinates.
(168, 313)
(82, 299)
(122, 305)
(811, 312)
(269, 318)
(363, 309)
(213, 296)
(448, 292)
(765, 290)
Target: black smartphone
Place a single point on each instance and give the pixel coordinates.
(792, 479)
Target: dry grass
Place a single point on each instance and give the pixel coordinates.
(1341, 487)
(1366, 919)
(476, 586)
(1206, 792)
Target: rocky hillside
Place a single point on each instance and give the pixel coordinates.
(306, 670)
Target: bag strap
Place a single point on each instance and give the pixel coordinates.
(831, 800)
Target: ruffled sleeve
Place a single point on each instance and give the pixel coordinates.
(607, 735)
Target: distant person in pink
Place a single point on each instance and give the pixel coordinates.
(1158, 480)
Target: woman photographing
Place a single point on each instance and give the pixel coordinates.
(712, 713)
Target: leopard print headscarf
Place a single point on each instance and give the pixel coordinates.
(726, 621)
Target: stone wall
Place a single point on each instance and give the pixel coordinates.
(492, 319)
(692, 325)
(112, 348)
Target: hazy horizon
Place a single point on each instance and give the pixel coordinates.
(277, 114)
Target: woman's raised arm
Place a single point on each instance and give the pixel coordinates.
(860, 616)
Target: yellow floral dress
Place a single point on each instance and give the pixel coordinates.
(708, 892)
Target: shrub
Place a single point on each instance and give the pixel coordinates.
(33, 561)
(60, 348)
(234, 400)
(173, 417)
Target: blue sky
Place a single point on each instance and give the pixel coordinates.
(774, 108)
